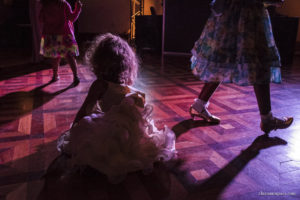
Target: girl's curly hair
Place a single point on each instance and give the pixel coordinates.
(112, 59)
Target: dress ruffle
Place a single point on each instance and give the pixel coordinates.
(59, 46)
(237, 46)
(122, 140)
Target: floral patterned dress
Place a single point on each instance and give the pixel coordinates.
(237, 46)
(58, 39)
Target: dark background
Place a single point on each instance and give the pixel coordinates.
(184, 22)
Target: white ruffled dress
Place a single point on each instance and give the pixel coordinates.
(118, 136)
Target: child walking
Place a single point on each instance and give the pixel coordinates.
(237, 46)
(113, 131)
(58, 39)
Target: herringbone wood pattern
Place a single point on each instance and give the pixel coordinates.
(226, 161)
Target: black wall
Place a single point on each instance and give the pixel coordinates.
(148, 33)
(184, 22)
(15, 30)
(285, 33)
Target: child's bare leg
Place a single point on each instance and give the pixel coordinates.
(55, 63)
(73, 64)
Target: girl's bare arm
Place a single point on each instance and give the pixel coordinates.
(96, 91)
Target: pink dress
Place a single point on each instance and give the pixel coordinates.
(58, 39)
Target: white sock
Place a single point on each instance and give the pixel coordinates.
(267, 117)
(199, 103)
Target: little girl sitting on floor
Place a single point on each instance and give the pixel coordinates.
(113, 131)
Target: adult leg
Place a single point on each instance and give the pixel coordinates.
(268, 122)
(262, 93)
(208, 90)
(199, 107)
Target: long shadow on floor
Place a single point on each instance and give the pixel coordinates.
(88, 184)
(17, 104)
(213, 187)
(7, 72)
(184, 126)
(26, 177)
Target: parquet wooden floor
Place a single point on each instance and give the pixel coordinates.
(227, 161)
